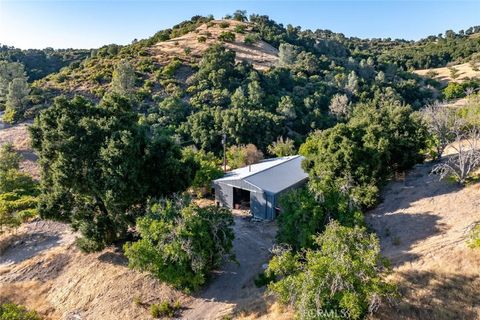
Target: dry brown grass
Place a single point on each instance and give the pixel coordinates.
(62, 283)
(443, 74)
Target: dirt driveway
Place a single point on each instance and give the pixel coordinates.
(233, 291)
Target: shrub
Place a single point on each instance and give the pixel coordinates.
(164, 309)
(282, 147)
(453, 91)
(202, 39)
(251, 38)
(474, 241)
(239, 28)
(239, 156)
(227, 36)
(18, 191)
(264, 279)
(342, 275)
(10, 311)
(180, 243)
(224, 24)
(187, 50)
(170, 68)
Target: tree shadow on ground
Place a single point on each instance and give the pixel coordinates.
(25, 246)
(418, 184)
(398, 232)
(115, 256)
(436, 296)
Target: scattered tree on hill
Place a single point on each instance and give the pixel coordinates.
(340, 106)
(352, 83)
(282, 147)
(286, 55)
(342, 275)
(99, 166)
(467, 157)
(181, 243)
(17, 100)
(443, 123)
(123, 78)
(454, 73)
(240, 15)
(240, 156)
(286, 107)
(227, 36)
(8, 72)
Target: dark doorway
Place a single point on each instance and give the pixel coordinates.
(241, 198)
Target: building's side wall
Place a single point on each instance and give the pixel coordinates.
(270, 206)
(258, 204)
(224, 194)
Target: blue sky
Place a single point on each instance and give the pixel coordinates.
(90, 24)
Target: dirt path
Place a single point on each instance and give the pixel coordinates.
(233, 290)
(423, 226)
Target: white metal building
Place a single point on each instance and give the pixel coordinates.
(258, 186)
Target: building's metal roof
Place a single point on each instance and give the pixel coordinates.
(270, 175)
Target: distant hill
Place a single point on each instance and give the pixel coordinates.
(191, 46)
(94, 74)
(42, 62)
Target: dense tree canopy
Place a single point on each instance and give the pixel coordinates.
(359, 156)
(99, 166)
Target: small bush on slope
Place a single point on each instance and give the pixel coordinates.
(18, 191)
(10, 311)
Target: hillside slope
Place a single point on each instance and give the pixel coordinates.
(92, 77)
(423, 226)
(188, 48)
(40, 267)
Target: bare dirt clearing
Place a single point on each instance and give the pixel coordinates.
(423, 226)
(41, 268)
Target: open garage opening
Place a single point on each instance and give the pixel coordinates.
(241, 199)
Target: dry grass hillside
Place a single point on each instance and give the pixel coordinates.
(41, 268)
(423, 225)
(188, 48)
(444, 75)
(92, 77)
